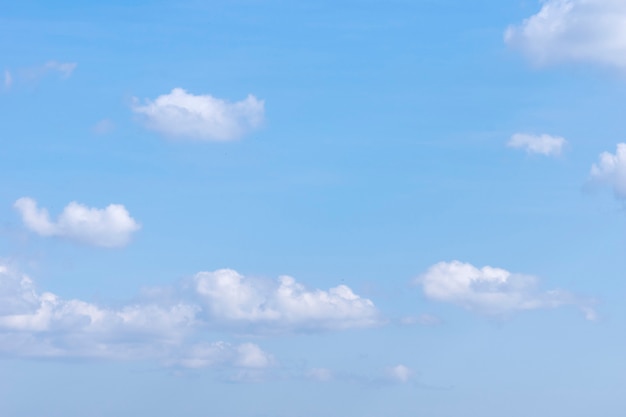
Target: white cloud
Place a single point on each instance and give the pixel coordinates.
(611, 170)
(108, 227)
(541, 144)
(574, 31)
(167, 326)
(180, 114)
(281, 305)
(492, 291)
(43, 325)
(400, 373)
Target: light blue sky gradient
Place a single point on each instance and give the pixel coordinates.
(382, 152)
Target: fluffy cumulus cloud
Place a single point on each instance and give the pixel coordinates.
(574, 31)
(172, 329)
(611, 170)
(109, 227)
(183, 115)
(44, 325)
(538, 144)
(281, 305)
(492, 291)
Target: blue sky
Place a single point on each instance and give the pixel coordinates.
(261, 208)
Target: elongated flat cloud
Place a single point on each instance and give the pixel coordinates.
(592, 31)
(492, 291)
(181, 115)
(64, 68)
(36, 73)
(611, 170)
(205, 355)
(109, 227)
(281, 305)
(320, 374)
(538, 144)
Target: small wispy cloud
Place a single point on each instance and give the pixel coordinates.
(33, 74)
(64, 68)
(109, 227)
(8, 79)
(182, 115)
(400, 373)
(544, 144)
(422, 319)
(103, 127)
(320, 374)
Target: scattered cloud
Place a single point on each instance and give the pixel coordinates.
(492, 291)
(109, 227)
(43, 325)
(182, 115)
(281, 305)
(34, 324)
(591, 31)
(103, 127)
(169, 326)
(611, 171)
(400, 373)
(539, 144)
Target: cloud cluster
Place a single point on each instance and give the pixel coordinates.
(35, 324)
(109, 227)
(492, 291)
(591, 31)
(538, 144)
(44, 325)
(180, 114)
(281, 305)
(611, 170)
